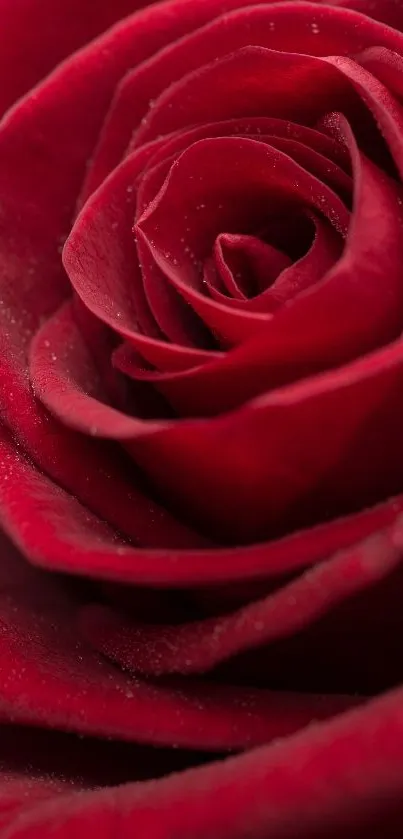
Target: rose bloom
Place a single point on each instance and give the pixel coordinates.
(201, 392)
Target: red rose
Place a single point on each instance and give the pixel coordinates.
(201, 390)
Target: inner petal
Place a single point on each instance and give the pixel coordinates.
(246, 264)
(294, 254)
(257, 185)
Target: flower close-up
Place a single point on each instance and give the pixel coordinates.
(201, 449)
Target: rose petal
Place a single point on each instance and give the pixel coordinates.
(282, 484)
(167, 26)
(336, 320)
(43, 756)
(53, 530)
(108, 247)
(242, 269)
(338, 777)
(385, 66)
(36, 214)
(199, 646)
(310, 268)
(179, 323)
(239, 82)
(236, 198)
(107, 219)
(37, 36)
(386, 109)
(386, 11)
(50, 678)
(341, 32)
(255, 127)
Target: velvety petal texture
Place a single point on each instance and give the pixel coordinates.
(201, 391)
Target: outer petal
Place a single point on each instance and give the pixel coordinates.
(36, 35)
(59, 121)
(55, 531)
(266, 24)
(240, 84)
(200, 645)
(59, 761)
(386, 11)
(337, 778)
(52, 679)
(327, 467)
